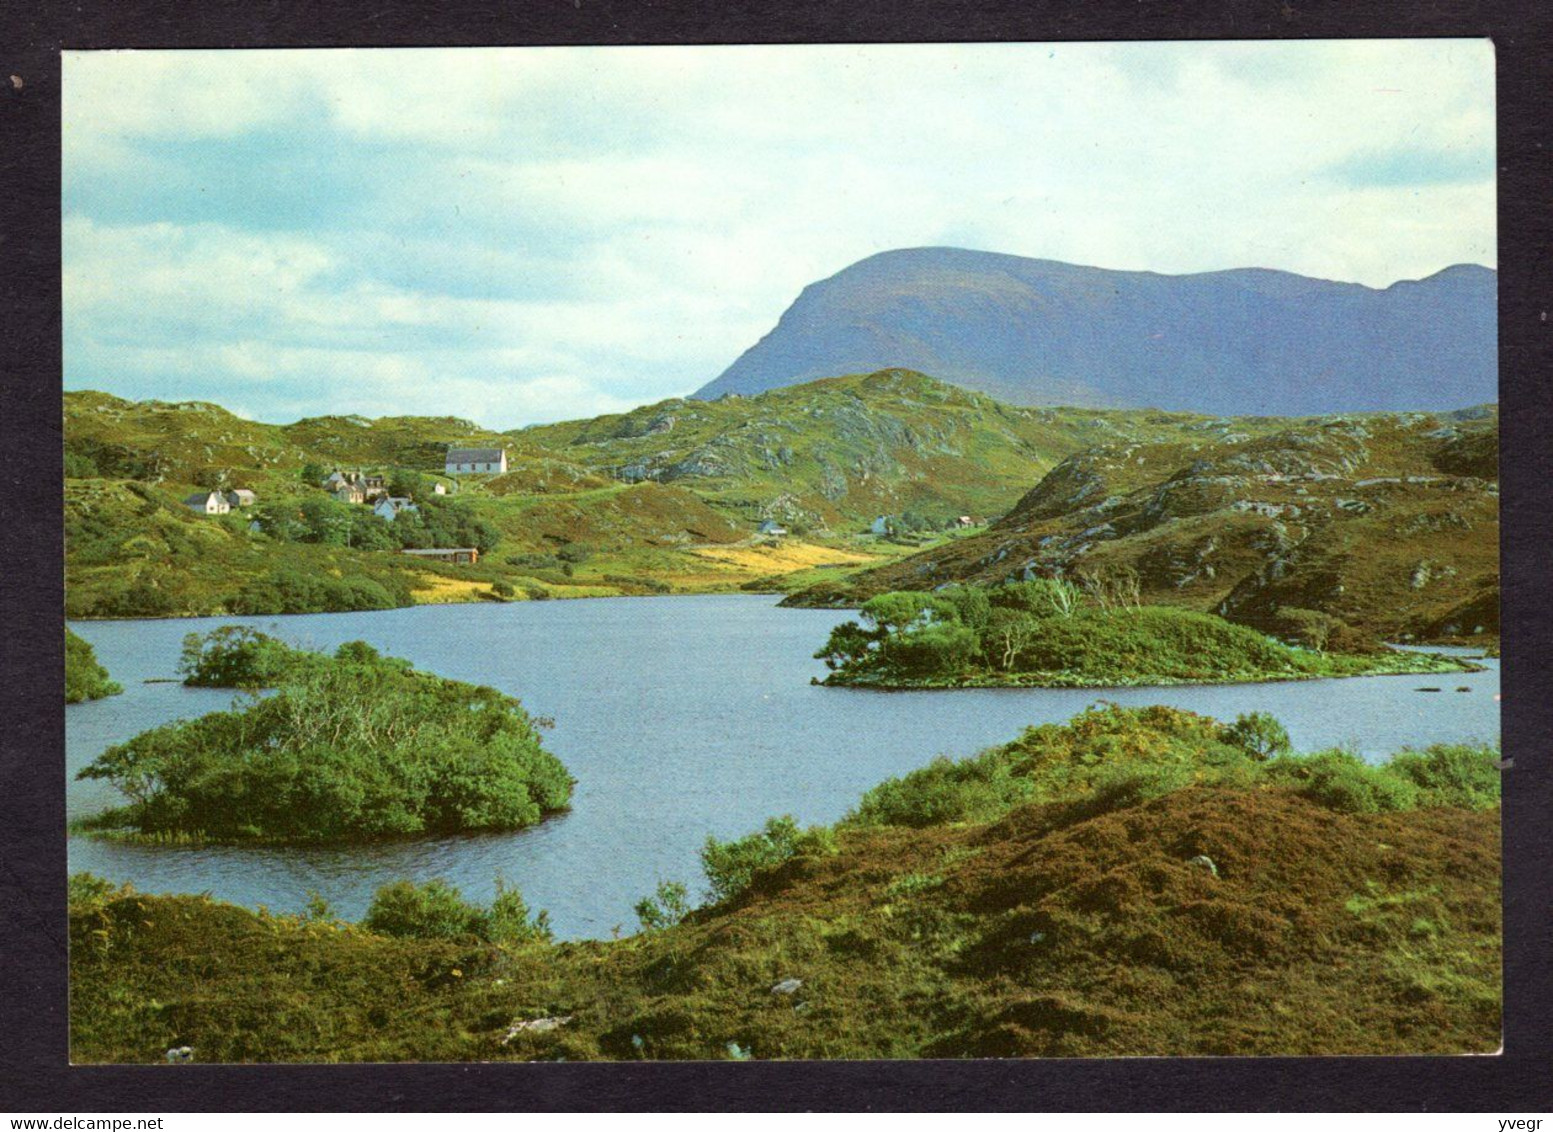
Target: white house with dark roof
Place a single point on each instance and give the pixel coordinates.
(462, 461)
(208, 503)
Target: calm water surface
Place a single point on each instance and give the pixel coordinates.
(680, 717)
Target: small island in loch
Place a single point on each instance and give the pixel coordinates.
(1052, 633)
(85, 678)
(349, 747)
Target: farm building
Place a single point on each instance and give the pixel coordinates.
(208, 503)
(459, 556)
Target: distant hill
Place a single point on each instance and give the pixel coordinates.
(1388, 523)
(1038, 332)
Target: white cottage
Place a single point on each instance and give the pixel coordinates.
(208, 503)
(390, 507)
(462, 461)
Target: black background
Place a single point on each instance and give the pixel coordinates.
(35, 1076)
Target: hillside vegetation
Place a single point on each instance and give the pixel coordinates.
(666, 498)
(1135, 882)
(1380, 527)
(1047, 633)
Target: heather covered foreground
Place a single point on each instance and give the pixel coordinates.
(1137, 882)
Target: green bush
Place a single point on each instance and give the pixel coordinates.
(1342, 781)
(731, 866)
(939, 649)
(434, 910)
(86, 892)
(85, 679)
(1450, 774)
(945, 792)
(666, 907)
(437, 910)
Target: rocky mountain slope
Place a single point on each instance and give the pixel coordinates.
(1033, 332)
(1387, 523)
(835, 454)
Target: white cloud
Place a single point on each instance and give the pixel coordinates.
(540, 232)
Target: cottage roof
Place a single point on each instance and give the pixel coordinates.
(475, 455)
(200, 498)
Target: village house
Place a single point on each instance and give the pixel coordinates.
(881, 525)
(465, 460)
(965, 521)
(390, 507)
(772, 528)
(208, 503)
(355, 487)
(458, 556)
(241, 497)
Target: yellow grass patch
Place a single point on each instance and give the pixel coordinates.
(781, 557)
(434, 589)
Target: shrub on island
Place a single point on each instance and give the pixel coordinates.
(349, 747)
(1048, 632)
(85, 678)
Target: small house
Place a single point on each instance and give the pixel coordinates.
(390, 507)
(208, 503)
(349, 492)
(462, 461)
(965, 521)
(241, 497)
(881, 525)
(336, 480)
(772, 529)
(458, 556)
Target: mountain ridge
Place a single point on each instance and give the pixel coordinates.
(1240, 341)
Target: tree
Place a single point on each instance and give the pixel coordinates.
(849, 643)
(1009, 633)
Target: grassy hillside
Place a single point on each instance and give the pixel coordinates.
(664, 499)
(1387, 523)
(1136, 882)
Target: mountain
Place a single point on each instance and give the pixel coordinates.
(1387, 523)
(1242, 342)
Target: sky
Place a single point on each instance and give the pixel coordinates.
(525, 235)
